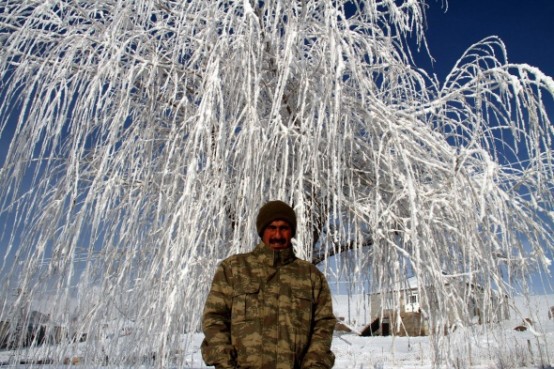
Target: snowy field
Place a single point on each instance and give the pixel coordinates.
(480, 347)
(499, 347)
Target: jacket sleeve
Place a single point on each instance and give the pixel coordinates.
(216, 348)
(319, 354)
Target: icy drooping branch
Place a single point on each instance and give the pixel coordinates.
(147, 134)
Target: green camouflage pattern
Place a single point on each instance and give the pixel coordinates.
(268, 310)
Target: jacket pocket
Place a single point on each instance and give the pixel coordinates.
(302, 304)
(245, 303)
(245, 326)
(302, 307)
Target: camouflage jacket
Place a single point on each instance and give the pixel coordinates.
(269, 310)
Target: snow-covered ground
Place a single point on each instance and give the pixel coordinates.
(479, 347)
(497, 347)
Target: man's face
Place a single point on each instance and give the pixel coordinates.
(277, 235)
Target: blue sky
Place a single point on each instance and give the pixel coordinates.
(524, 26)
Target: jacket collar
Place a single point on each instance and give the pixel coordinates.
(274, 258)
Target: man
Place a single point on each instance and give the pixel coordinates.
(267, 309)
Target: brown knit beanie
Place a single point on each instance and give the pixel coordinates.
(275, 210)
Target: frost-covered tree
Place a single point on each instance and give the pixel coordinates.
(148, 133)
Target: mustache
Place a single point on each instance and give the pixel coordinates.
(281, 241)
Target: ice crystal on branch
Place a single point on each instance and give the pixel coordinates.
(148, 134)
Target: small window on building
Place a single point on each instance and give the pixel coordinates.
(413, 303)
